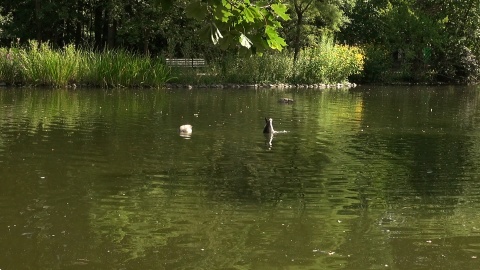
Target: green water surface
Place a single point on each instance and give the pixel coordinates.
(369, 178)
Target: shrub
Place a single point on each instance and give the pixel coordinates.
(265, 68)
(328, 63)
(460, 65)
(378, 65)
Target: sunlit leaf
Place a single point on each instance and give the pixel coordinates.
(215, 34)
(271, 32)
(245, 41)
(281, 11)
(248, 15)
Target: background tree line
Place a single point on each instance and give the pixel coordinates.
(145, 25)
(404, 40)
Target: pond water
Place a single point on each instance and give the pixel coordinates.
(369, 178)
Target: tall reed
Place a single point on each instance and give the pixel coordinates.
(119, 68)
(9, 66)
(40, 65)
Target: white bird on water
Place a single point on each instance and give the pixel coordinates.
(185, 129)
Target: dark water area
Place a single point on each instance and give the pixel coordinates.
(369, 178)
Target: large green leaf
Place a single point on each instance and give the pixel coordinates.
(226, 41)
(249, 15)
(196, 10)
(222, 14)
(271, 32)
(281, 11)
(273, 39)
(238, 22)
(260, 44)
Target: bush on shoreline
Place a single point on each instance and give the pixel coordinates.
(328, 63)
(325, 63)
(40, 65)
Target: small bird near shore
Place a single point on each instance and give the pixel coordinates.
(286, 100)
(185, 129)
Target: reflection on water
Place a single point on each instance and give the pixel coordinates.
(372, 178)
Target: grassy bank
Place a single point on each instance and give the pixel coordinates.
(40, 65)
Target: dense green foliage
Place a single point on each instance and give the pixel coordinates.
(253, 25)
(404, 40)
(41, 65)
(329, 63)
(417, 40)
(323, 62)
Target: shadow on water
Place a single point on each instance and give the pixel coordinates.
(374, 177)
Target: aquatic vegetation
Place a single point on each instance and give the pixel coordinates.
(9, 70)
(119, 68)
(41, 65)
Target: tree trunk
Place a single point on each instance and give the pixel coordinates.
(298, 33)
(146, 41)
(98, 27)
(78, 34)
(38, 21)
(299, 11)
(112, 33)
(78, 24)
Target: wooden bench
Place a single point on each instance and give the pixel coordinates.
(186, 62)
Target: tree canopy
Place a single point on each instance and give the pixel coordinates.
(253, 25)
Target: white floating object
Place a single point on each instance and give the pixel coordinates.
(185, 130)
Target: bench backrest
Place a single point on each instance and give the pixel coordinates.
(186, 62)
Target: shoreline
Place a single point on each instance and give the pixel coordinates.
(203, 86)
(260, 86)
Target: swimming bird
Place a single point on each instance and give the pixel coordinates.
(268, 126)
(286, 100)
(185, 129)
